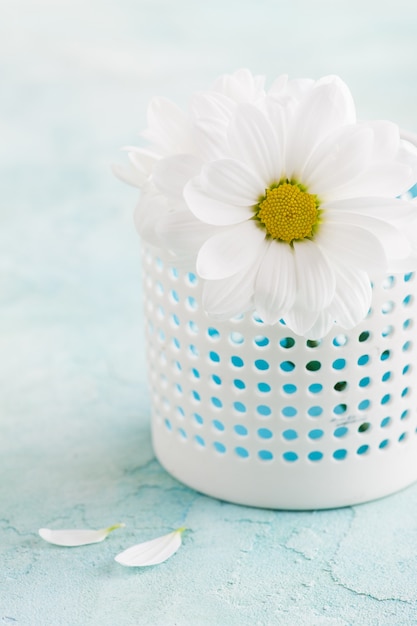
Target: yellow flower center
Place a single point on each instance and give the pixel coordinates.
(288, 212)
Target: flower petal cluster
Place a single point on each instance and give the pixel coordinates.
(284, 202)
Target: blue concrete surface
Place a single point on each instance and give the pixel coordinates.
(74, 411)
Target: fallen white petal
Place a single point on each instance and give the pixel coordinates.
(151, 552)
(76, 537)
(316, 281)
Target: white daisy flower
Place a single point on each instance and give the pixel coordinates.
(290, 206)
(305, 200)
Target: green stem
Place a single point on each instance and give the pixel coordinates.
(115, 527)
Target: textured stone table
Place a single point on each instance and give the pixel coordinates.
(74, 412)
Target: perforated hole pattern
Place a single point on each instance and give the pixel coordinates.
(263, 395)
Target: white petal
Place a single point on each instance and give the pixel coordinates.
(295, 88)
(151, 552)
(409, 137)
(276, 283)
(182, 232)
(142, 160)
(408, 264)
(253, 140)
(386, 139)
(315, 277)
(324, 108)
(393, 241)
(211, 113)
(167, 126)
(128, 175)
(338, 160)
(351, 245)
(209, 105)
(76, 537)
(278, 86)
(389, 179)
(278, 117)
(300, 320)
(210, 140)
(210, 210)
(392, 166)
(241, 86)
(392, 209)
(171, 174)
(150, 207)
(321, 326)
(407, 154)
(353, 297)
(232, 182)
(230, 251)
(225, 298)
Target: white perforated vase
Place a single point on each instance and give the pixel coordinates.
(256, 415)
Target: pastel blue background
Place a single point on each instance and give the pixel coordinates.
(76, 77)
